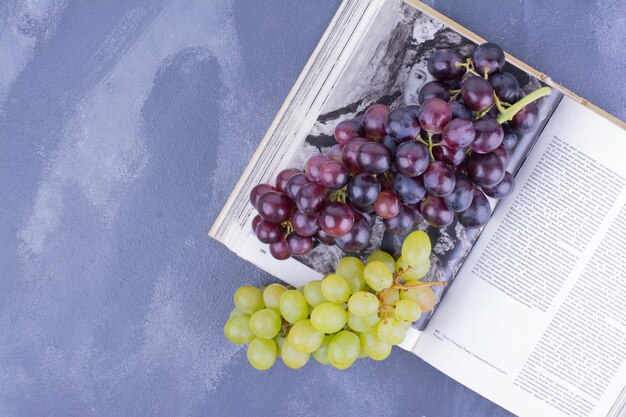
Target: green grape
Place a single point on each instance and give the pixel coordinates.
(378, 276)
(329, 317)
(292, 358)
(424, 296)
(344, 349)
(391, 331)
(415, 272)
(304, 338)
(313, 293)
(293, 306)
(391, 297)
(236, 312)
(363, 304)
(363, 324)
(374, 347)
(271, 296)
(382, 256)
(265, 323)
(237, 330)
(335, 289)
(351, 269)
(321, 354)
(416, 248)
(248, 299)
(261, 353)
(407, 310)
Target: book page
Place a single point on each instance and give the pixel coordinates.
(387, 65)
(536, 318)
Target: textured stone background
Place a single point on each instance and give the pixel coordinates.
(123, 126)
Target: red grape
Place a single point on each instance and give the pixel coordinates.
(312, 166)
(460, 110)
(410, 190)
(510, 138)
(526, 120)
(348, 130)
(433, 89)
(435, 115)
(325, 238)
(374, 157)
(279, 249)
(257, 192)
(350, 153)
(299, 245)
(401, 223)
(374, 121)
(336, 219)
(411, 158)
(505, 86)
(439, 179)
(488, 55)
(449, 156)
(310, 198)
(503, 154)
(387, 205)
(501, 190)
(255, 222)
(305, 224)
(489, 135)
(333, 175)
(477, 93)
(436, 213)
(485, 170)
(357, 238)
(442, 64)
(275, 207)
(334, 152)
(294, 184)
(402, 123)
(460, 199)
(363, 189)
(391, 143)
(268, 232)
(458, 133)
(284, 176)
(477, 214)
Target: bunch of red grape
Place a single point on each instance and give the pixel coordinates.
(439, 160)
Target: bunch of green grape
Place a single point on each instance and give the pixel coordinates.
(360, 310)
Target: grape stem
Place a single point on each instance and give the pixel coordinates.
(287, 225)
(498, 103)
(480, 114)
(430, 146)
(510, 112)
(338, 195)
(469, 66)
(382, 296)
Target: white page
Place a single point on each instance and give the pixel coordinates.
(548, 268)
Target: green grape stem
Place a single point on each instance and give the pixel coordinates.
(288, 227)
(430, 146)
(468, 65)
(508, 114)
(339, 195)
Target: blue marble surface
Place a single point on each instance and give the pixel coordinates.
(124, 124)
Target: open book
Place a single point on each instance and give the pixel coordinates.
(535, 316)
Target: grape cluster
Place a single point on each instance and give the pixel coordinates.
(358, 311)
(439, 160)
